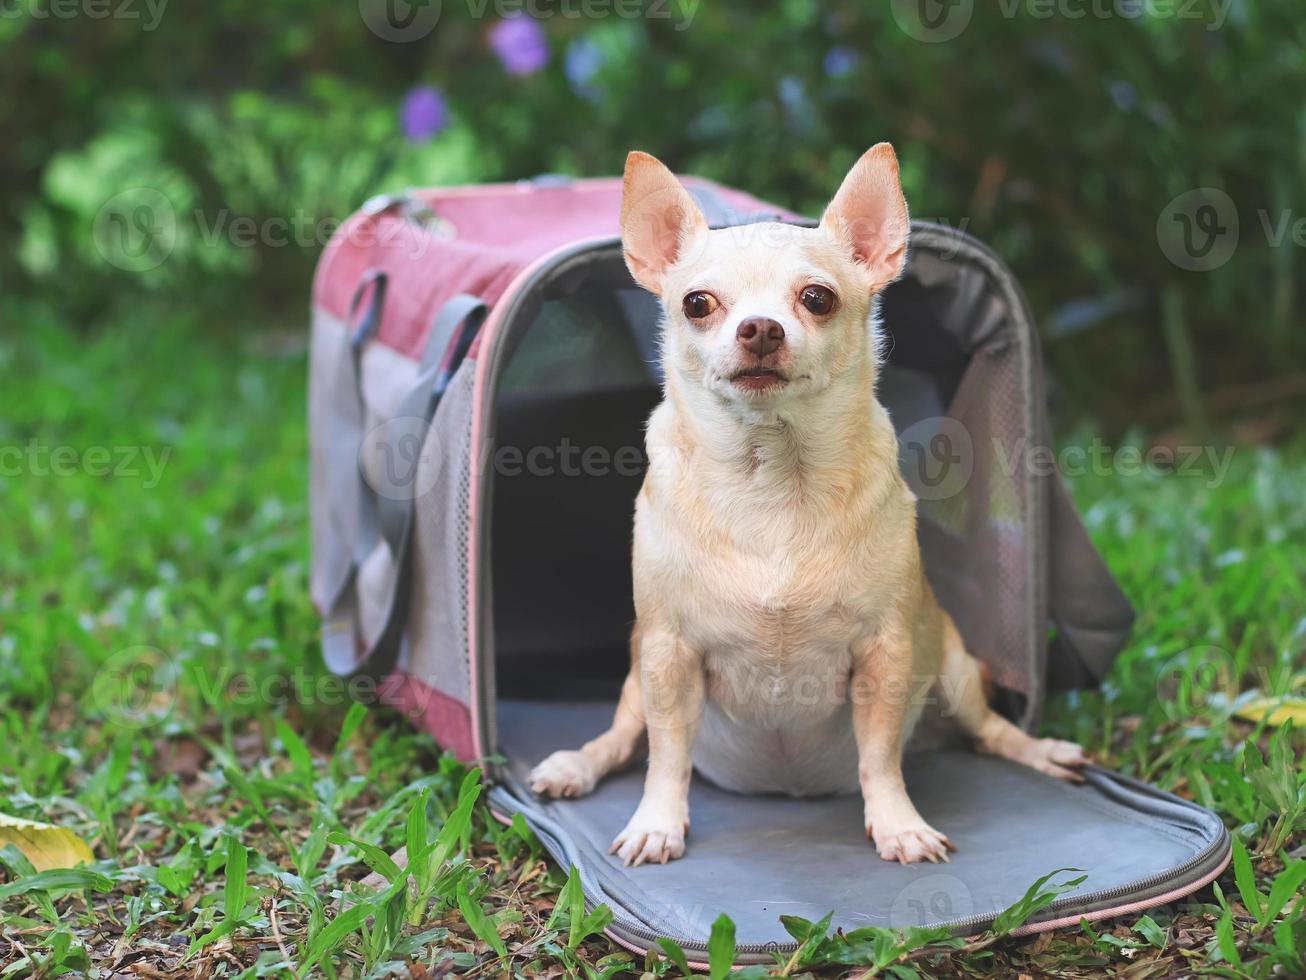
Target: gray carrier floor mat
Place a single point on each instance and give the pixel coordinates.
(757, 858)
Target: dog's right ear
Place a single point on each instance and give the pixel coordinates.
(658, 220)
(869, 215)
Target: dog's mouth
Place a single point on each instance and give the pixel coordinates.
(758, 379)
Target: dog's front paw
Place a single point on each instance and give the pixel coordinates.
(567, 773)
(910, 844)
(1064, 760)
(1057, 758)
(651, 839)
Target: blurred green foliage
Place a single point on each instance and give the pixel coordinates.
(1059, 131)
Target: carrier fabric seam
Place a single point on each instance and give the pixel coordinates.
(479, 621)
(479, 616)
(1159, 802)
(1208, 832)
(1135, 816)
(1147, 789)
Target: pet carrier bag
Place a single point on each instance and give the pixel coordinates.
(482, 366)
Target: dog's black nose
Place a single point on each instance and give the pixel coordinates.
(760, 335)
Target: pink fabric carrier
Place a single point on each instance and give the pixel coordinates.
(481, 369)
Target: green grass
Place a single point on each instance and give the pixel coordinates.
(161, 696)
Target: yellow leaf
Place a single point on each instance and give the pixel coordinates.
(45, 845)
(1280, 710)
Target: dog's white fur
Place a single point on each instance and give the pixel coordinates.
(784, 623)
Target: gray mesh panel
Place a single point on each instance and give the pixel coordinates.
(437, 638)
(975, 542)
(962, 358)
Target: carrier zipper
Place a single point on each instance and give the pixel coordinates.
(973, 922)
(413, 210)
(697, 947)
(492, 350)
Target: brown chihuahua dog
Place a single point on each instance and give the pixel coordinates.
(782, 609)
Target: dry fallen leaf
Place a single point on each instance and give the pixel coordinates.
(1280, 710)
(45, 845)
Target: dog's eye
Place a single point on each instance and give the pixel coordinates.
(698, 305)
(817, 299)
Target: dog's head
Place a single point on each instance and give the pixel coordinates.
(763, 315)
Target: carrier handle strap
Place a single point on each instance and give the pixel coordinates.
(719, 214)
(374, 283)
(447, 344)
(387, 502)
(377, 280)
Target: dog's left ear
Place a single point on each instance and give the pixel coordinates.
(869, 214)
(659, 220)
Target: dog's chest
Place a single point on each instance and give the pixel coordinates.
(776, 632)
(807, 683)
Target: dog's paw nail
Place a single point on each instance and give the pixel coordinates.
(1061, 759)
(915, 844)
(648, 845)
(1066, 753)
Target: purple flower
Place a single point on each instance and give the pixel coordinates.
(583, 61)
(520, 43)
(840, 62)
(1123, 94)
(424, 113)
(797, 106)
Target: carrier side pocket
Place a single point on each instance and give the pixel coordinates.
(364, 626)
